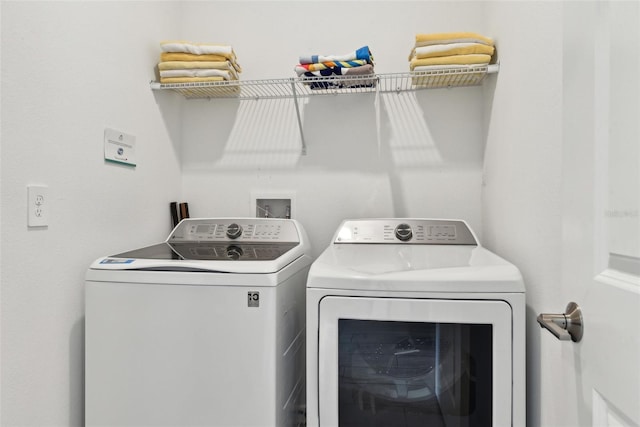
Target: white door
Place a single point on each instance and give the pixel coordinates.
(601, 227)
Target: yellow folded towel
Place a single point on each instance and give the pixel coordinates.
(176, 56)
(430, 68)
(184, 65)
(454, 59)
(450, 49)
(200, 72)
(179, 56)
(446, 38)
(190, 79)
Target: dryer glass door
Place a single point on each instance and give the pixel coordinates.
(414, 362)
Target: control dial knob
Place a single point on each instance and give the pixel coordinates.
(234, 231)
(403, 232)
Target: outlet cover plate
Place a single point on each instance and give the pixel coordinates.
(38, 205)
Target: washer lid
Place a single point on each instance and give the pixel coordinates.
(419, 267)
(231, 245)
(211, 251)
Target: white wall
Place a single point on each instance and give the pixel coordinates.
(405, 155)
(70, 69)
(67, 74)
(521, 201)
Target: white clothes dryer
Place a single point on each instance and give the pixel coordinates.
(411, 322)
(206, 328)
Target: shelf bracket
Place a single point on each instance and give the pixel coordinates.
(295, 102)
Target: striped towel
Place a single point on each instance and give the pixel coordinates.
(336, 71)
(362, 54)
(332, 64)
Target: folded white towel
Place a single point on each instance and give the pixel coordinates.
(196, 48)
(451, 49)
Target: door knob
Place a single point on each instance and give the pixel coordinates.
(566, 326)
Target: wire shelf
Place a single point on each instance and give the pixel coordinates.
(296, 88)
(303, 87)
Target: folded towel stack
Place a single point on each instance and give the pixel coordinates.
(344, 70)
(186, 62)
(450, 50)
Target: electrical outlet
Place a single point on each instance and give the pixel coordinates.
(38, 206)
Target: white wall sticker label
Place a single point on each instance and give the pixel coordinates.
(119, 147)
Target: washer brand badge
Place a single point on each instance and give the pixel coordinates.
(116, 261)
(253, 299)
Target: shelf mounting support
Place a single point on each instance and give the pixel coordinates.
(295, 102)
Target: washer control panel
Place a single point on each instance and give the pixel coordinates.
(405, 231)
(246, 230)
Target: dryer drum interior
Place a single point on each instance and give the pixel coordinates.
(433, 372)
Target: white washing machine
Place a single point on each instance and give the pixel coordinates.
(206, 328)
(411, 322)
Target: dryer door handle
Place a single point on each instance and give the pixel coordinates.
(566, 326)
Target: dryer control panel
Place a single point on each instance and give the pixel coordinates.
(405, 231)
